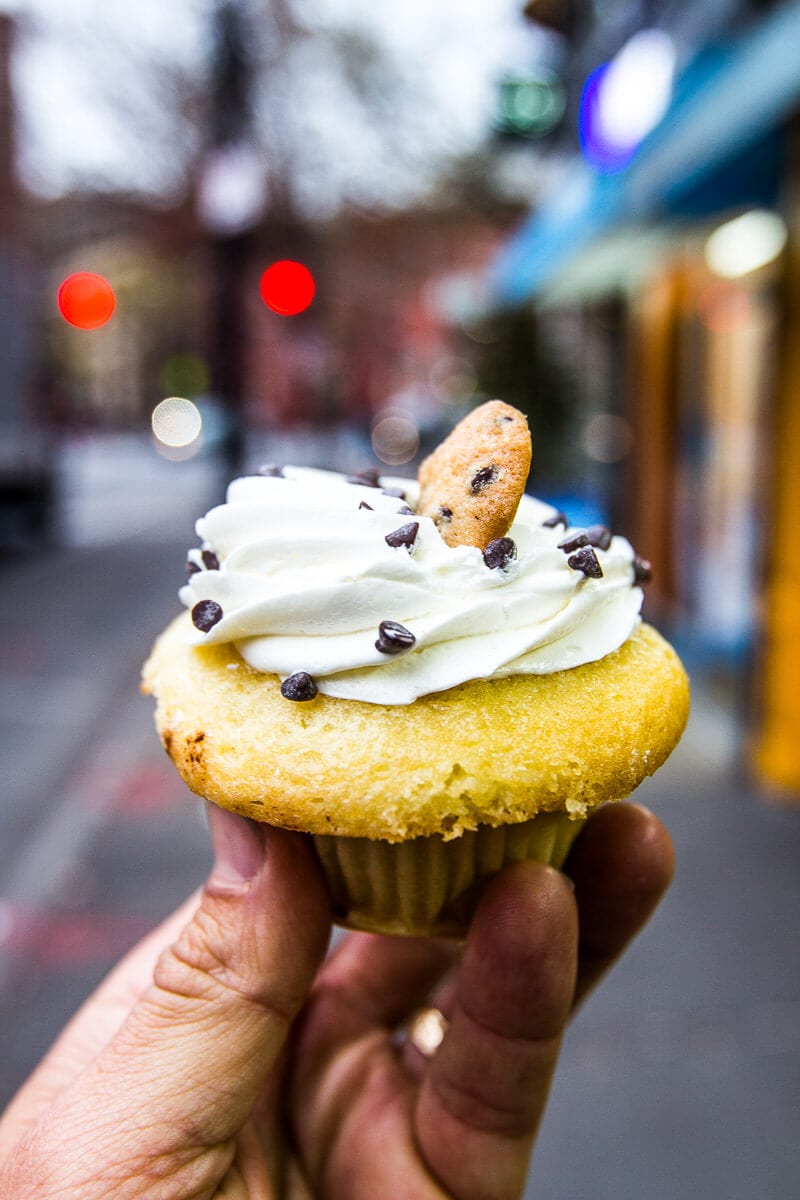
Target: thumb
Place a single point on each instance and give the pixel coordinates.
(183, 1073)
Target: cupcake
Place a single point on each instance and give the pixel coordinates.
(431, 679)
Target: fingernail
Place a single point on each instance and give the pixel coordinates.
(238, 846)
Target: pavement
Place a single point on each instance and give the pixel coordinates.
(680, 1077)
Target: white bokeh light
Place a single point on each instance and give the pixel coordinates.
(745, 243)
(176, 422)
(395, 438)
(636, 89)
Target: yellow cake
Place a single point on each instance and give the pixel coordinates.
(485, 752)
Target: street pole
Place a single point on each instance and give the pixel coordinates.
(230, 249)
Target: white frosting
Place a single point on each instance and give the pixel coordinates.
(306, 577)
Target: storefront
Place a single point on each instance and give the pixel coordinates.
(695, 243)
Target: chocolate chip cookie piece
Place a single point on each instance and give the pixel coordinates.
(473, 482)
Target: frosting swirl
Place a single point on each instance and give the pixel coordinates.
(302, 576)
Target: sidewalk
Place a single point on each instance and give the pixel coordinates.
(681, 1077)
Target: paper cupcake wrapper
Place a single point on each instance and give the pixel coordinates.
(428, 886)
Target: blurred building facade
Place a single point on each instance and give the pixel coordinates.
(673, 260)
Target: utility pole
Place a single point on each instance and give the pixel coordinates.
(26, 491)
(231, 232)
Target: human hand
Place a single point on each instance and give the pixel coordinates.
(221, 1060)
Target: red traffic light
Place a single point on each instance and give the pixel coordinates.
(287, 287)
(86, 300)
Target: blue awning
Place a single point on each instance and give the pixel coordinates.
(726, 108)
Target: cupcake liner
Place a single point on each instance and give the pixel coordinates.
(427, 886)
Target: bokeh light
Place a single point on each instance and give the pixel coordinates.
(86, 300)
(481, 330)
(607, 438)
(531, 106)
(746, 243)
(724, 307)
(287, 287)
(176, 422)
(395, 438)
(184, 375)
(453, 378)
(624, 99)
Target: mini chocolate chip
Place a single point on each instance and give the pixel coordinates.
(642, 570)
(599, 536)
(398, 493)
(369, 477)
(271, 470)
(585, 560)
(364, 504)
(500, 552)
(210, 560)
(581, 538)
(445, 514)
(482, 479)
(191, 567)
(405, 511)
(394, 638)
(299, 686)
(205, 614)
(406, 535)
(557, 518)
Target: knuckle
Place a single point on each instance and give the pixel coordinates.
(490, 1081)
(479, 1112)
(207, 966)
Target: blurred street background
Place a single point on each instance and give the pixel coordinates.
(319, 233)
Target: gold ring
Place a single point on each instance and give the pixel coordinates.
(426, 1030)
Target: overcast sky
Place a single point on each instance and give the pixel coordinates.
(84, 112)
